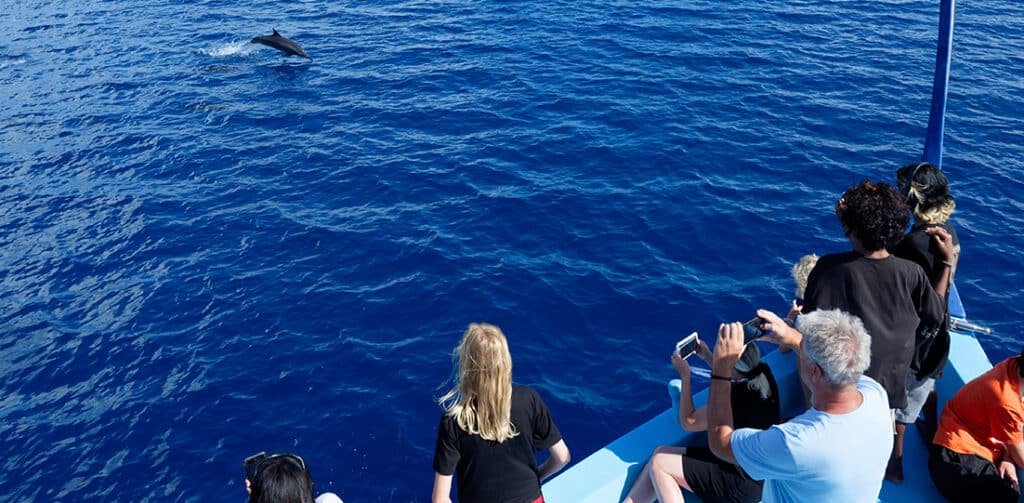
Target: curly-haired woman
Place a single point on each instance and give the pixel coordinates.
(892, 296)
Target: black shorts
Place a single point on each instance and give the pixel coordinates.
(967, 478)
(714, 480)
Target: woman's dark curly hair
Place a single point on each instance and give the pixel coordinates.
(875, 213)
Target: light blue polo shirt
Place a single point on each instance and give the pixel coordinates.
(818, 457)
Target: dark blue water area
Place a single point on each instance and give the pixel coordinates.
(207, 250)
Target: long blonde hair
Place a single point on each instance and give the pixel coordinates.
(481, 400)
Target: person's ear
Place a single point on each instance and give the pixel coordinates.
(817, 372)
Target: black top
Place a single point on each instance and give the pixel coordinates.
(755, 401)
(892, 296)
(931, 353)
(487, 471)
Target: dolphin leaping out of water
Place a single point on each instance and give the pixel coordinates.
(286, 45)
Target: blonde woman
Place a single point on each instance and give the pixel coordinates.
(490, 430)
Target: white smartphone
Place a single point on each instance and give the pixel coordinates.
(687, 346)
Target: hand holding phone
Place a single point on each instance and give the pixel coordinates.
(682, 366)
(704, 352)
(752, 329)
(687, 346)
(778, 331)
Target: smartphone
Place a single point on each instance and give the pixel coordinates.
(752, 329)
(687, 346)
(252, 463)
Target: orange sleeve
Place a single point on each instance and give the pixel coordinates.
(1008, 418)
(1006, 426)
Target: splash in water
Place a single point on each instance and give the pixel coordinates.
(240, 48)
(5, 64)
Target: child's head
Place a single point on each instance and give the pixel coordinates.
(801, 270)
(481, 400)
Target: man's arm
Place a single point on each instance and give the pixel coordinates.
(442, 489)
(944, 241)
(779, 332)
(1012, 458)
(559, 457)
(720, 423)
(696, 421)
(1016, 453)
(933, 303)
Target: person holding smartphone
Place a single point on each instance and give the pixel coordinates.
(673, 469)
(835, 451)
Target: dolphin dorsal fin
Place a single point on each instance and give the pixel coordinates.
(276, 34)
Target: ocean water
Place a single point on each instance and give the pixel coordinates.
(207, 250)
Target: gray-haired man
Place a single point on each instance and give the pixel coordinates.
(837, 450)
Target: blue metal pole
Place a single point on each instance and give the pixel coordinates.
(943, 58)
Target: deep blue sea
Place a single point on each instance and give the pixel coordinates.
(207, 250)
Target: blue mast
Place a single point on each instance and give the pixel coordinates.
(943, 58)
(937, 115)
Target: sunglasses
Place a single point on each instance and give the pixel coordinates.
(254, 464)
(904, 182)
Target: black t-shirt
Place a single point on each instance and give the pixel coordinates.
(931, 353)
(755, 400)
(892, 296)
(755, 404)
(488, 471)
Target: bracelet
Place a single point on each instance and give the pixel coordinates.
(720, 378)
(948, 263)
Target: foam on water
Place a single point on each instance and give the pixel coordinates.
(13, 62)
(241, 48)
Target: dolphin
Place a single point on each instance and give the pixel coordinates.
(286, 45)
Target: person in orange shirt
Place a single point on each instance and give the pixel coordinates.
(978, 450)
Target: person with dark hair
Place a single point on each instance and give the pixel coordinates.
(284, 478)
(755, 398)
(927, 193)
(891, 295)
(978, 451)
